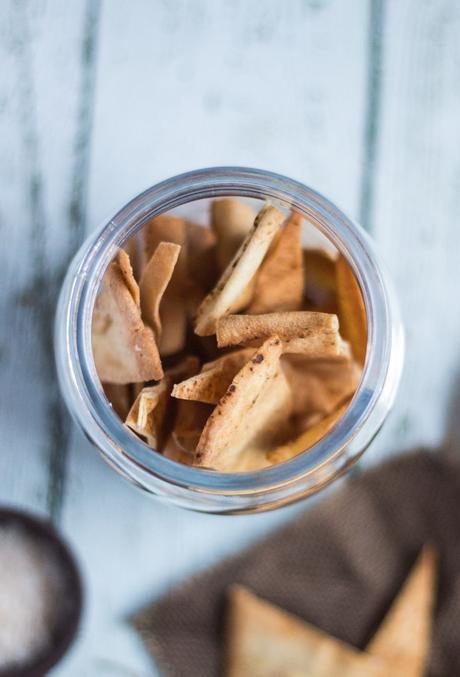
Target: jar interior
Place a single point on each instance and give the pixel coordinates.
(321, 387)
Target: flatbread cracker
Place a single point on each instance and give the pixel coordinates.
(308, 438)
(304, 332)
(231, 221)
(124, 349)
(404, 636)
(352, 312)
(126, 270)
(239, 272)
(151, 415)
(168, 228)
(146, 416)
(279, 283)
(215, 377)
(155, 279)
(255, 404)
(266, 641)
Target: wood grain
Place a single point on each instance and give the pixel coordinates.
(416, 215)
(39, 90)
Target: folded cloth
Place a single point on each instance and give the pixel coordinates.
(338, 566)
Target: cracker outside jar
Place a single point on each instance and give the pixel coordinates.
(198, 488)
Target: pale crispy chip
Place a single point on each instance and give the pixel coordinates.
(320, 385)
(308, 438)
(304, 332)
(211, 384)
(120, 397)
(155, 279)
(124, 349)
(231, 221)
(150, 415)
(352, 313)
(266, 641)
(146, 416)
(239, 272)
(279, 283)
(126, 267)
(168, 228)
(320, 280)
(404, 636)
(240, 329)
(255, 403)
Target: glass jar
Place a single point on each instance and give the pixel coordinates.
(208, 490)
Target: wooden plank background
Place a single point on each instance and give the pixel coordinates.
(101, 99)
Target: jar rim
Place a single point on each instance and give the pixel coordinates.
(76, 369)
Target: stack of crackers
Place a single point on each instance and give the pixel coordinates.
(232, 347)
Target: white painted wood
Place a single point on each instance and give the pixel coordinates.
(183, 85)
(39, 56)
(417, 212)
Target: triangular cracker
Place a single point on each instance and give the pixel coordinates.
(239, 272)
(155, 279)
(168, 228)
(231, 221)
(215, 377)
(190, 420)
(279, 283)
(127, 271)
(201, 256)
(124, 349)
(352, 312)
(255, 404)
(151, 410)
(304, 332)
(266, 641)
(308, 438)
(146, 416)
(404, 636)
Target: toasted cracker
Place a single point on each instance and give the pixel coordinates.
(155, 279)
(151, 415)
(146, 416)
(211, 384)
(239, 272)
(308, 438)
(124, 349)
(279, 283)
(320, 385)
(127, 271)
(169, 228)
(304, 332)
(320, 280)
(255, 403)
(120, 398)
(404, 636)
(352, 312)
(266, 641)
(231, 221)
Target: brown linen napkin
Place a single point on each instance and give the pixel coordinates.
(338, 565)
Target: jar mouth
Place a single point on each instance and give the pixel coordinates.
(76, 369)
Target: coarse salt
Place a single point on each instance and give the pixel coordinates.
(31, 587)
